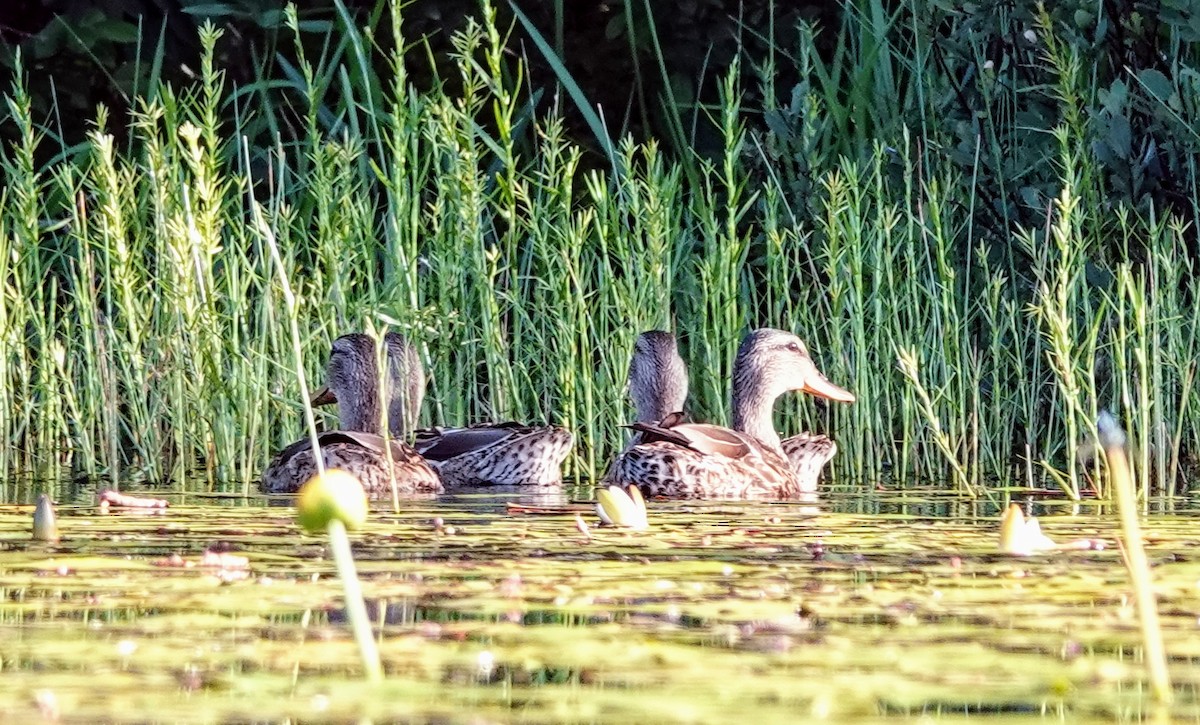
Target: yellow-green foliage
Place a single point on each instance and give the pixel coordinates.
(144, 329)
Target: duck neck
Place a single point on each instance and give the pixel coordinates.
(401, 418)
(652, 409)
(658, 388)
(752, 414)
(360, 412)
(406, 387)
(403, 412)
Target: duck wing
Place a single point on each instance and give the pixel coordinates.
(441, 444)
(375, 443)
(717, 440)
(809, 448)
(497, 454)
(702, 438)
(378, 463)
(660, 431)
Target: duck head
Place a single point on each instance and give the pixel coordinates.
(352, 381)
(770, 363)
(658, 378)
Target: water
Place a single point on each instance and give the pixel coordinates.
(864, 607)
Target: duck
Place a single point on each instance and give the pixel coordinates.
(674, 459)
(658, 385)
(808, 453)
(496, 454)
(358, 446)
(658, 377)
(508, 454)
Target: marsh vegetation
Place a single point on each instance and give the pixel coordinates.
(983, 225)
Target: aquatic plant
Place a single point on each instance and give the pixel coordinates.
(45, 523)
(1112, 438)
(622, 507)
(521, 611)
(1020, 535)
(332, 502)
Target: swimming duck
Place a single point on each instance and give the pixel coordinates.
(691, 460)
(657, 382)
(357, 446)
(658, 385)
(485, 454)
(496, 454)
(808, 453)
(658, 377)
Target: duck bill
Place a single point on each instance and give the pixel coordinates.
(324, 396)
(818, 385)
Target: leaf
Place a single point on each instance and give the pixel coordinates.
(1119, 136)
(1113, 98)
(117, 31)
(1156, 83)
(211, 10)
(615, 27)
(568, 82)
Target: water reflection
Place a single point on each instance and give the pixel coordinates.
(914, 502)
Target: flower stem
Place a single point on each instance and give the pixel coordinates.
(356, 610)
(1113, 440)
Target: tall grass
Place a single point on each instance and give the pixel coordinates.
(144, 332)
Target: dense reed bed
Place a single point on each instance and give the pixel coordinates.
(144, 331)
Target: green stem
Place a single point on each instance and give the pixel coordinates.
(356, 610)
(1113, 440)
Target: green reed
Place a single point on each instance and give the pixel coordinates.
(145, 334)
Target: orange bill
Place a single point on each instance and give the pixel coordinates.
(817, 384)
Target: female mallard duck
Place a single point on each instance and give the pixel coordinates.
(808, 453)
(496, 454)
(352, 380)
(658, 377)
(486, 454)
(658, 384)
(691, 460)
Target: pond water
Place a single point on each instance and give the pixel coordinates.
(892, 606)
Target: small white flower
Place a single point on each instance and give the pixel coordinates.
(1031, 36)
(485, 662)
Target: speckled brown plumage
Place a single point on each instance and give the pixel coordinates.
(358, 446)
(748, 461)
(486, 454)
(496, 454)
(362, 454)
(808, 453)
